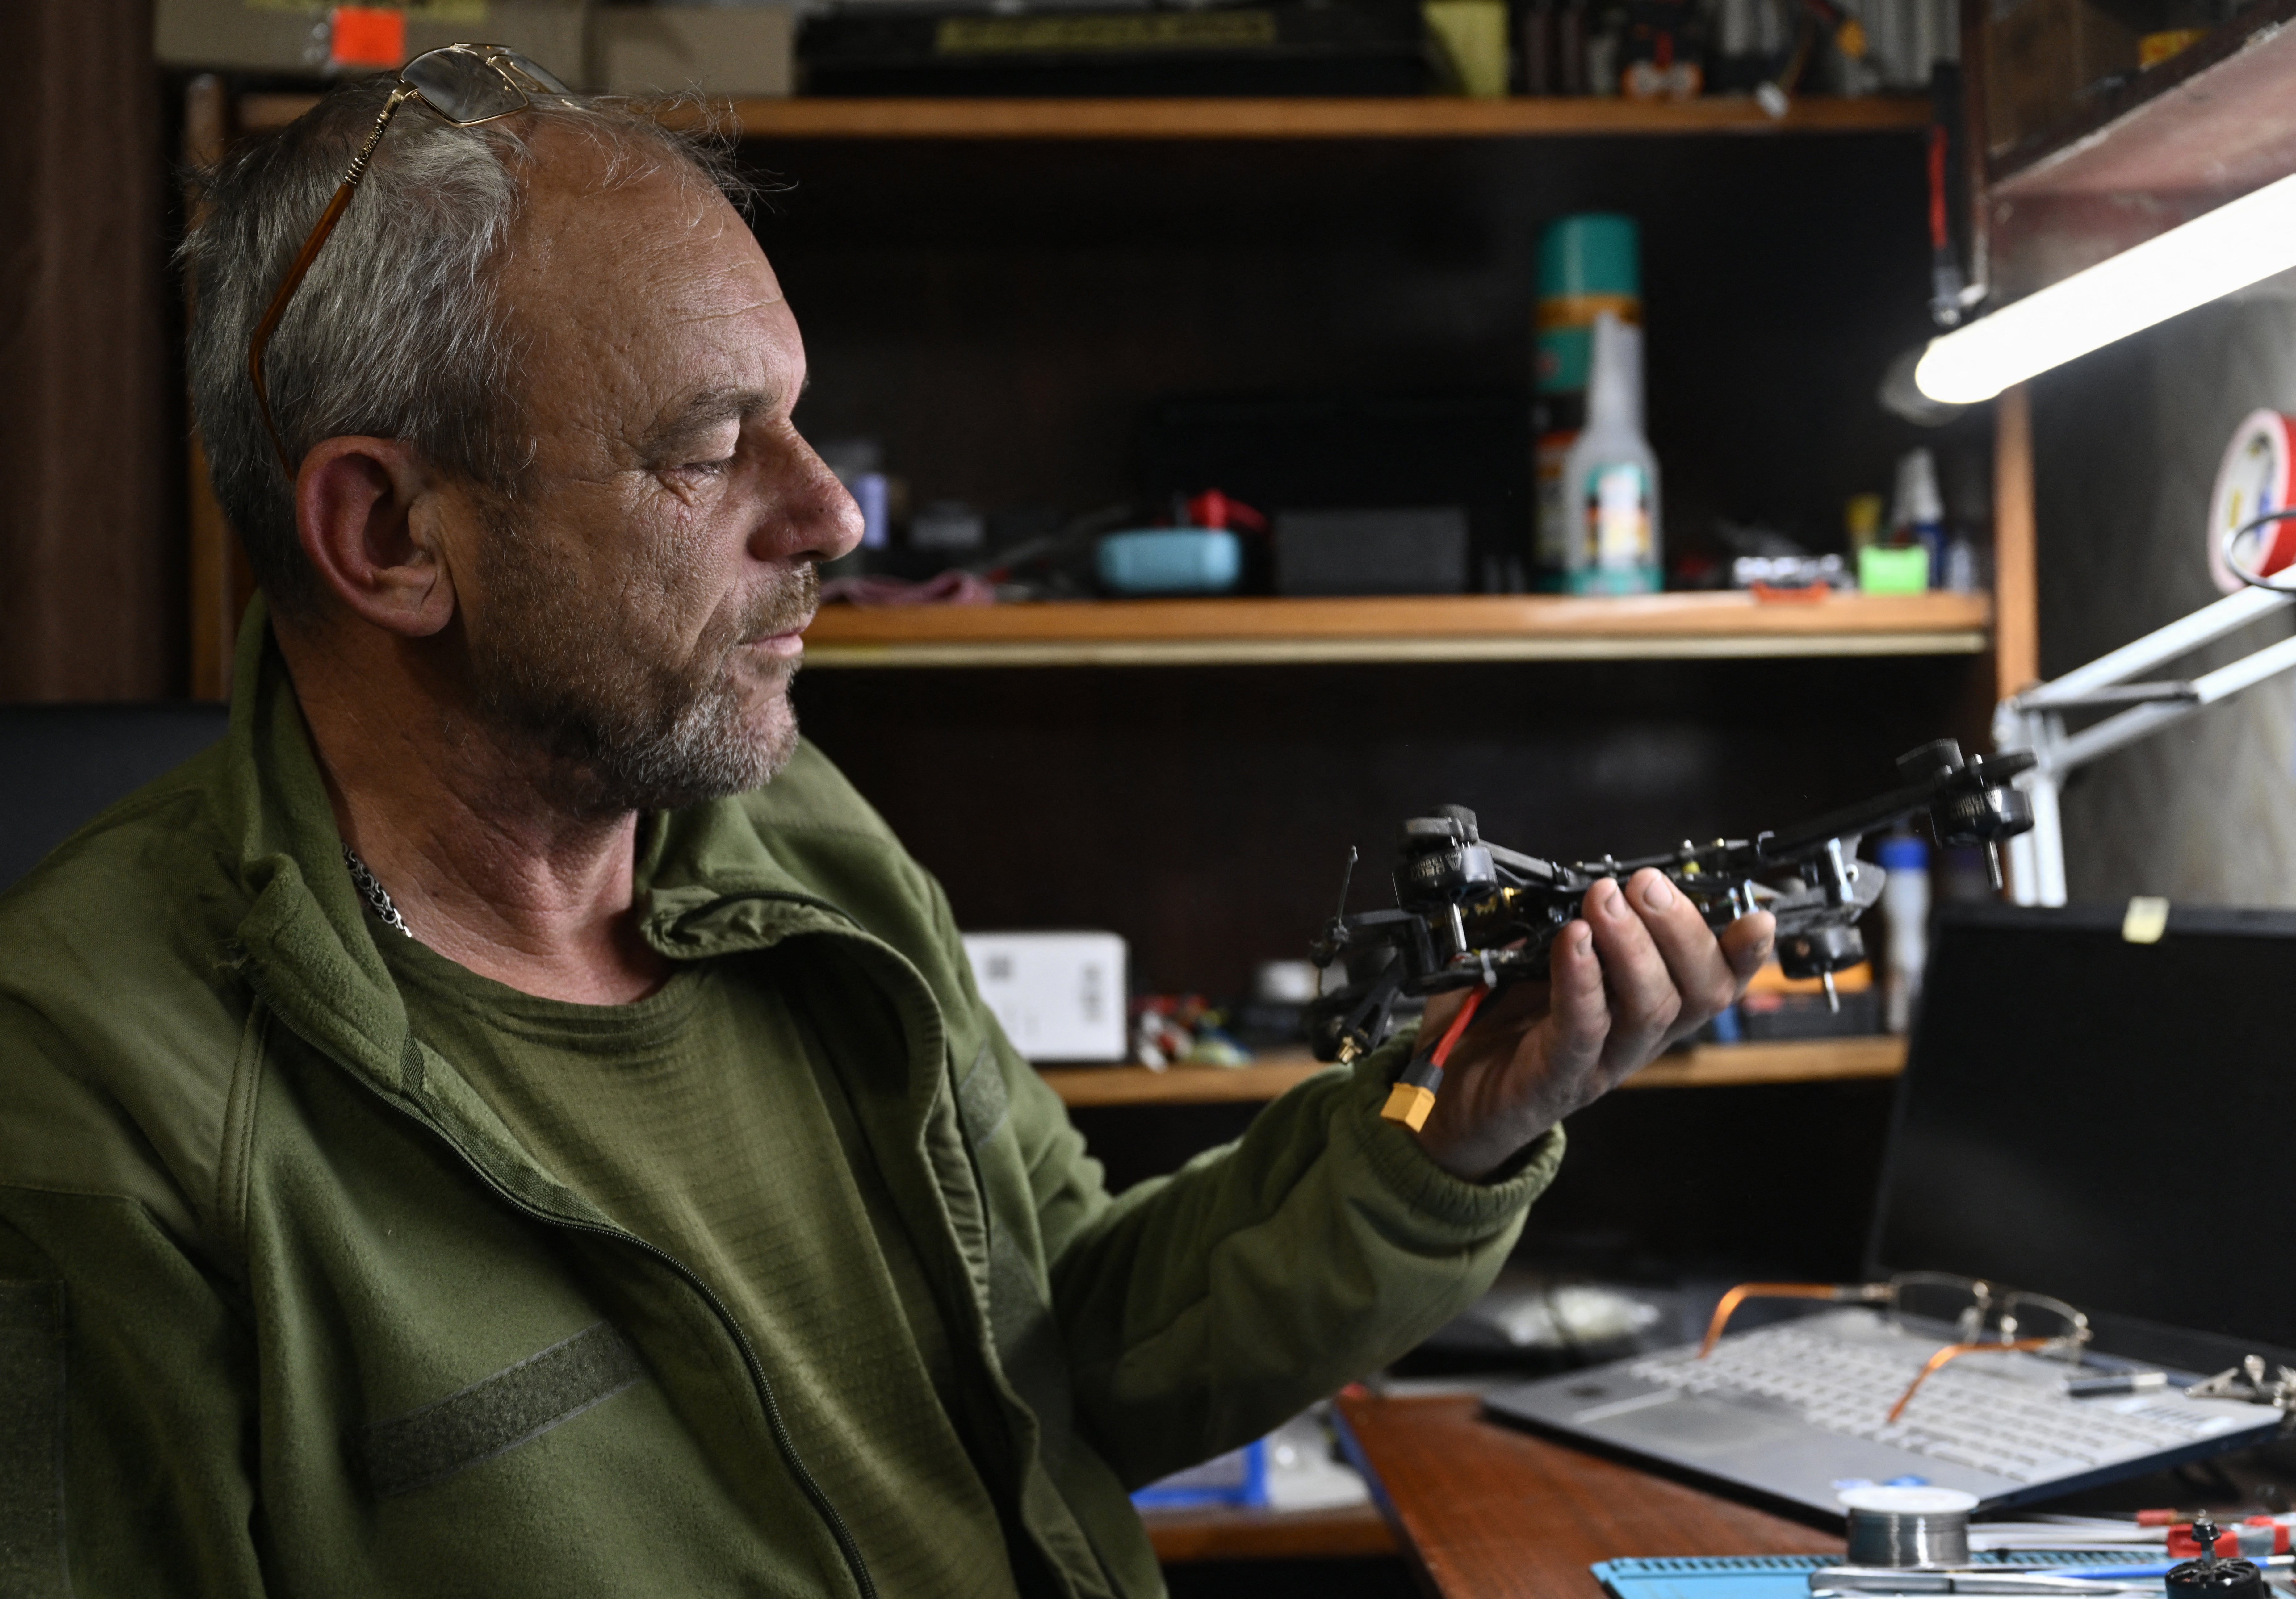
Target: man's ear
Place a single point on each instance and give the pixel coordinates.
(367, 516)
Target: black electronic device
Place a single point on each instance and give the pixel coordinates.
(1402, 551)
(1469, 913)
(1283, 47)
(2080, 1110)
(2211, 1576)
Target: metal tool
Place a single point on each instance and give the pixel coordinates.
(1997, 1580)
(2249, 1381)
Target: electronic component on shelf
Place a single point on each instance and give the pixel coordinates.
(1470, 914)
(1373, 552)
(1058, 995)
(963, 47)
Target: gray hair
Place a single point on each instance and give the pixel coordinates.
(398, 332)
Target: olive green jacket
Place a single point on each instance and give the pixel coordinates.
(284, 1308)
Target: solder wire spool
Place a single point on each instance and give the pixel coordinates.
(1907, 1526)
(2258, 474)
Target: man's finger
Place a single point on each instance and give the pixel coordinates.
(1702, 975)
(1746, 944)
(1578, 1012)
(1644, 1002)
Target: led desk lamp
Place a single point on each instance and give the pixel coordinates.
(2236, 245)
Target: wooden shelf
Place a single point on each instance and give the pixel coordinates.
(1447, 628)
(1800, 1060)
(1705, 1066)
(2208, 126)
(1421, 117)
(1093, 1088)
(1220, 1532)
(2216, 119)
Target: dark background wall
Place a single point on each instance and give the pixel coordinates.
(2126, 447)
(91, 476)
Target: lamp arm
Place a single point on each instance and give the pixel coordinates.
(2180, 637)
(2034, 719)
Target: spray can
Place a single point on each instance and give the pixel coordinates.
(1609, 476)
(1586, 265)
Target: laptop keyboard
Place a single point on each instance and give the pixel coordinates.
(2003, 1414)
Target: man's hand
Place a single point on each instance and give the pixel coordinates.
(1641, 971)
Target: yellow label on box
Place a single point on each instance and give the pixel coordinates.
(1125, 30)
(2154, 48)
(2145, 920)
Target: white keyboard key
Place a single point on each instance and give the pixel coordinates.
(1986, 1414)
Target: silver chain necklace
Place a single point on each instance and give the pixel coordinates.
(377, 898)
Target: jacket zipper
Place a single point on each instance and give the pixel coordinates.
(847, 1545)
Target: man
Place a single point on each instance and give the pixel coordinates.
(512, 1120)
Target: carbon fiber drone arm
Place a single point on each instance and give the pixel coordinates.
(1469, 912)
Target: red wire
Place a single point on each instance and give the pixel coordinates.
(1458, 1025)
(1938, 237)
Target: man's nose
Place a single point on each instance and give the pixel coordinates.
(820, 520)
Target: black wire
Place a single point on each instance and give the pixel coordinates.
(2231, 562)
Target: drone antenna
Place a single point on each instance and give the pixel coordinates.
(1326, 949)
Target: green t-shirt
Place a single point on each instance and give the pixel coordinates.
(705, 1119)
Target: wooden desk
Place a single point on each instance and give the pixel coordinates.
(1217, 1533)
(1487, 1512)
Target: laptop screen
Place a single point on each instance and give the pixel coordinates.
(2108, 1122)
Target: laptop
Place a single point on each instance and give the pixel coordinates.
(2081, 1117)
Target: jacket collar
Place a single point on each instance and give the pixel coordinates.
(302, 941)
(712, 886)
(709, 885)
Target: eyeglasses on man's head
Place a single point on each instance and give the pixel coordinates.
(462, 85)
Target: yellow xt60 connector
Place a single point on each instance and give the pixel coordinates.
(1408, 1103)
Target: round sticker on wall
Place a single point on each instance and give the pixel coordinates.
(2253, 479)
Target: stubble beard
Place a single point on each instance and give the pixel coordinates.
(619, 722)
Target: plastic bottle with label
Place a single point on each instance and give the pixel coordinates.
(1610, 477)
(1919, 515)
(1586, 265)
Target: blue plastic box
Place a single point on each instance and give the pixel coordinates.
(1239, 1477)
(1171, 561)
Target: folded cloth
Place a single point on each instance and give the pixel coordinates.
(952, 588)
